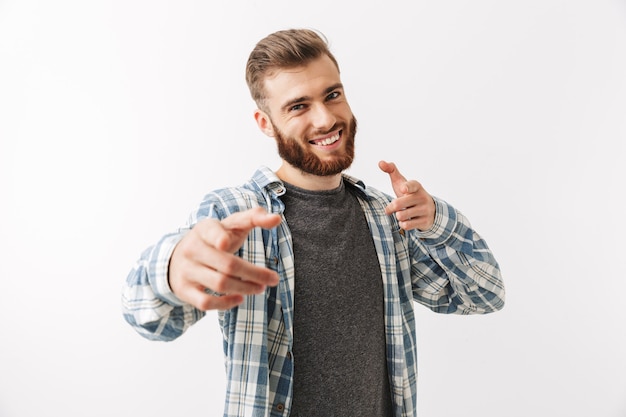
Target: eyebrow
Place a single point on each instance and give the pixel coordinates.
(306, 98)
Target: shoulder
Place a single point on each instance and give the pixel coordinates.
(369, 194)
(225, 201)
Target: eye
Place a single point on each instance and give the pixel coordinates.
(296, 107)
(333, 95)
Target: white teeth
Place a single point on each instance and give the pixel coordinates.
(329, 140)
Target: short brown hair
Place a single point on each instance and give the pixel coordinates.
(283, 49)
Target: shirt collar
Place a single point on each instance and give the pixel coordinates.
(265, 178)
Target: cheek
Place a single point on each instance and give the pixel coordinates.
(346, 112)
(296, 129)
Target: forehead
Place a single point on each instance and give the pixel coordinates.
(309, 80)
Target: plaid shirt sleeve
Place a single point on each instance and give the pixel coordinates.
(453, 269)
(148, 303)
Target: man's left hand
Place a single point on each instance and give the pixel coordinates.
(414, 207)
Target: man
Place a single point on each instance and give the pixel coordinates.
(312, 273)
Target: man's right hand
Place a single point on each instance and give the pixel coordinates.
(204, 259)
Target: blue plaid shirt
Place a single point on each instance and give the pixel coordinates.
(448, 268)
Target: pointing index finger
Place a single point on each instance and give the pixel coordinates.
(237, 226)
(249, 219)
(398, 181)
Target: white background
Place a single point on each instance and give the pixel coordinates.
(116, 117)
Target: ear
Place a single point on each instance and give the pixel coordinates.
(264, 122)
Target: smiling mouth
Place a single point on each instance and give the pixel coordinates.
(329, 140)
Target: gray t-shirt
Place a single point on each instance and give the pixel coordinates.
(339, 350)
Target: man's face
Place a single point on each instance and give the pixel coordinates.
(310, 118)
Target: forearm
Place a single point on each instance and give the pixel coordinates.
(148, 304)
(460, 274)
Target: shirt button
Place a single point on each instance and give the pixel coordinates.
(275, 260)
(402, 232)
(280, 407)
(288, 355)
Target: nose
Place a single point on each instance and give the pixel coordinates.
(322, 118)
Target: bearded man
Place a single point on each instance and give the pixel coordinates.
(314, 275)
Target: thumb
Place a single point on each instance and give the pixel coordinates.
(398, 182)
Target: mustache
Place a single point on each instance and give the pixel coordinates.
(337, 126)
(318, 133)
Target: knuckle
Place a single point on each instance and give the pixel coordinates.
(220, 285)
(206, 303)
(229, 264)
(186, 247)
(185, 250)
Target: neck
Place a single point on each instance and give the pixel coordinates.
(307, 181)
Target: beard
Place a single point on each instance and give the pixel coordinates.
(295, 154)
